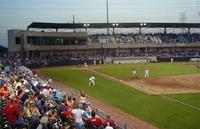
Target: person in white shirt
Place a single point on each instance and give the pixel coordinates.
(146, 73)
(78, 115)
(92, 80)
(109, 127)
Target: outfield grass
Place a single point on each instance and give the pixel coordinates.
(156, 69)
(153, 109)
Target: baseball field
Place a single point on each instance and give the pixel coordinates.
(169, 99)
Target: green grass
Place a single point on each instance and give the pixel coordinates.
(153, 109)
(156, 69)
(192, 99)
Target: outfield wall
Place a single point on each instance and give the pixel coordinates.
(177, 59)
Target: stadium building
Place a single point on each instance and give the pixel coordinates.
(115, 47)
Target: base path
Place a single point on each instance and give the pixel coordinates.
(160, 85)
(143, 89)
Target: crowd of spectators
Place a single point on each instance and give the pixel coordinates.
(58, 60)
(158, 38)
(32, 103)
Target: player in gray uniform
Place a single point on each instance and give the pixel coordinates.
(133, 73)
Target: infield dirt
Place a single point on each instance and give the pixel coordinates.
(170, 85)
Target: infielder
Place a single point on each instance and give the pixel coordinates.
(133, 73)
(92, 80)
(146, 73)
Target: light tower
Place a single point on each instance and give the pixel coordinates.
(107, 12)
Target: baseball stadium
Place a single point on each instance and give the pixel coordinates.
(101, 75)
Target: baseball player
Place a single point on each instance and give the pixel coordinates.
(172, 60)
(146, 73)
(133, 73)
(85, 65)
(92, 80)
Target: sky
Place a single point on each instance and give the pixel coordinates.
(18, 14)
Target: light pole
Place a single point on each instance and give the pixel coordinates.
(86, 26)
(107, 21)
(114, 26)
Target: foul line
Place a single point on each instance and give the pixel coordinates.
(180, 102)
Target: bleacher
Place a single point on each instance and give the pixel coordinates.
(158, 38)
(32, 89)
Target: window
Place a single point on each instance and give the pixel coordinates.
(18, 40)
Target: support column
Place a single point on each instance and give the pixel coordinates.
(140, 30)
(165, 30)
(188, 30)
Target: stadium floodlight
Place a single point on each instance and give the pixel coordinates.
(86, 25)
(115, 24)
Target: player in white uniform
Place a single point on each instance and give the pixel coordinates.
(134, 73)
(92, 80)
(172, 60)
(85, 65)
(146, 73)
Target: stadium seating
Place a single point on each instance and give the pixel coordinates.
(158, 38)
(39, 102)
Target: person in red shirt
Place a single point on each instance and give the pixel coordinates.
(109, 122)
(96, 121)
(11, 111)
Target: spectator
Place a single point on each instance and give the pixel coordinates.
(96, 121)
(4, 91)
(11, 111)
(83, 98)
(109, 122)
(78, 115)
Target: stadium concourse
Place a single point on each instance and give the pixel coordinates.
(28, 102)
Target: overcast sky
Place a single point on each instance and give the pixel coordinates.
(18, 14)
